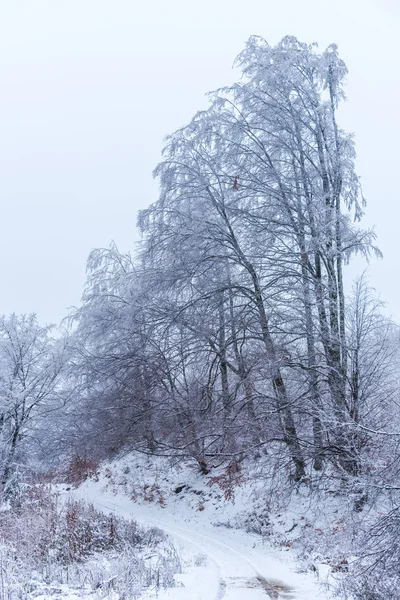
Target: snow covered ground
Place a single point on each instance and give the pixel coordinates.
(218, 562)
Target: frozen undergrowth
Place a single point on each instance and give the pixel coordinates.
(70, 550)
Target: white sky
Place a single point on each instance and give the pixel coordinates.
(89, 89)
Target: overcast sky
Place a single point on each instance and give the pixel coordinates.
(89, 89)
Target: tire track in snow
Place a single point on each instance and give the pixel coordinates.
(235, 571)
(117, 508)
(273, 588)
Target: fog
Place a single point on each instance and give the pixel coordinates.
(90, 88)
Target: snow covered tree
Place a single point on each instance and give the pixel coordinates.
(263, 185)
(31, 363)
(229, 329)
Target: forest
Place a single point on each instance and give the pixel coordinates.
(231, 332)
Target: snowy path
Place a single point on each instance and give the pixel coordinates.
(233, 565)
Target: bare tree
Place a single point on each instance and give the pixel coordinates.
(31, 363)
(235, 304)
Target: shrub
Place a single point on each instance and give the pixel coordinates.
(47, 540)
(79, 469)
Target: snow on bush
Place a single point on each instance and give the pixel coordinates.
(47, 545)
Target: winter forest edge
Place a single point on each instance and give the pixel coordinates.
(227, 337)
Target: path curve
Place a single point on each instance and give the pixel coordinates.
(234, 572)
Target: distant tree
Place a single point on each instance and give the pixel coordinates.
(31, 363)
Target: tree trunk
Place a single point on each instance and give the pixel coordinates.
(282, 400)
(7, 467)
(223, 366)
(241, 363)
